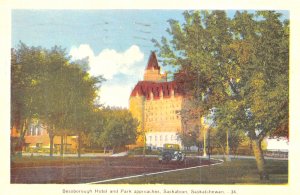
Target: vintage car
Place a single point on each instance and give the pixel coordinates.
(171, 153)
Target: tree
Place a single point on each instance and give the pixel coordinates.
(54, 96)
(190, 134)
(48, 87)
(25, 80)
(92, 138)
(190, 138)
(229, 135)
(82, 103)
(119, 128)
(241, 62)
(69, 94)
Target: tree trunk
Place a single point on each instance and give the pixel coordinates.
(204, 143)
(223, 150)
(51, 137)
(13, 142)
(227, 146)
(61, 145)
(260, 161)
(19, 145)
(66, 143)
(79, 146)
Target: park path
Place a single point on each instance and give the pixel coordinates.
(126, 153)
(120, 154)
(244, 157)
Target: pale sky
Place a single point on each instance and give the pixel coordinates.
(117, 42)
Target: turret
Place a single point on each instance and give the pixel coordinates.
(152, 71)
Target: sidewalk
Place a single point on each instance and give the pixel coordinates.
(243, 157)
(120, 154)
(69, 155)
(125, 154)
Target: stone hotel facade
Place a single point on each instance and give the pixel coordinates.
(156, 104)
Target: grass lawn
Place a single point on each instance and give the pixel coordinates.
(48, 161)
(237, 171)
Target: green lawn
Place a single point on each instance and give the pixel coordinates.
(237, 171)
(46, 160)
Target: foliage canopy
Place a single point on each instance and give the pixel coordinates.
(239, 65)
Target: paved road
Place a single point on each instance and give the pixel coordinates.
(106, 168)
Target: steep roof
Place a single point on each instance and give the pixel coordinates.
(152, 62)
(144, 88)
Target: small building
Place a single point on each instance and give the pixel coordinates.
(36, 139)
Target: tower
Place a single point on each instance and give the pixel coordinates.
(152, 71)
(154, 102)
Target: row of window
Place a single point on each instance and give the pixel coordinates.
(150, 119)
(161, 138)
(163, 106)
(34, 130)
(172, 112)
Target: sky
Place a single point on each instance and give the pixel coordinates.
(117, 42)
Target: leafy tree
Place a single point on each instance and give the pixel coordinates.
(239, 64)
(25, 93)
(92, 138)
(48, 87)
(119, 128)
(54, 94)
(190, 137)
(227, 131)
(81, 115)
(73, 98)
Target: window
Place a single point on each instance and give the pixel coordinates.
(166, 138)
(155, 138)
(34, 130)
(161, 138)
(39, 130)
(30, 130)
